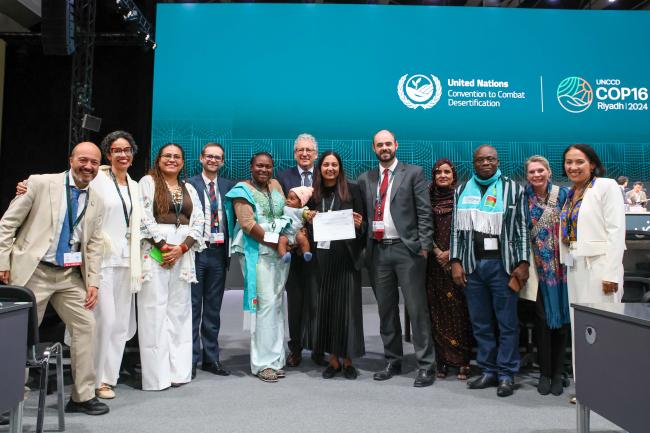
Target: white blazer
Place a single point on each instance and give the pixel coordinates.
(601, 228)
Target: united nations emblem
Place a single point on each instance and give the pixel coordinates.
(419, 91)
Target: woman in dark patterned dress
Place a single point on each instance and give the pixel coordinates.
(449, 315)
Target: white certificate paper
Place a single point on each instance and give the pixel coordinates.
(334, 226)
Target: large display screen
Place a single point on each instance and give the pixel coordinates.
(443, 79)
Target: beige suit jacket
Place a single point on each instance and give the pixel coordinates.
(32, 219)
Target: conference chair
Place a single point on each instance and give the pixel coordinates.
(38, 356)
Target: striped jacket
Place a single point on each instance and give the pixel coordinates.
(513, 241)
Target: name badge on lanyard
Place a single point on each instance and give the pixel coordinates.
(72, 259)
(378, 226)
(217, 238)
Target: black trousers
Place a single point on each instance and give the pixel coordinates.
(551, 343)
(302, 298)
(207, 296)
(392, 266)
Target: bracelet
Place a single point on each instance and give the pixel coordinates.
(184, 248)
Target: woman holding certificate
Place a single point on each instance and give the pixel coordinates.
(255, 209)
(172, 223)
(338, 328)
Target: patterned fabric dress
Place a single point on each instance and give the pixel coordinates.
(452, 331)
(544, 236)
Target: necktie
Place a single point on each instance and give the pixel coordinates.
(65, 237)
(379, 206)
(214, 210)
(306, 178)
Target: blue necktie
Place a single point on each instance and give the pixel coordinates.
(64, 240)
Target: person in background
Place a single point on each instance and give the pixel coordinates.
(622, 184)
(254, 210)
(489, 259)
(212, 263)
(300, 298)
(339, 324)
(172, 225)
(51, 242)
(452, 331)
(592, 231)
(637, 196)
(545, 202)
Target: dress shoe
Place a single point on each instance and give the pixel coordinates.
(350, 372)
(330, 372)
(557, 387)
(294, 359)
(178, 384)
(89, 407)
(319, 359)
(544, 385)
(215, 368)
(573, 400)
(425, 377)
(486, 380)
(506, 388)
(388, 371)
(193, 371)
(105, 392)
(4, 418)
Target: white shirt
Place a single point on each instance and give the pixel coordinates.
(302, 177)
(50, 255)
(207, 210)
(390, 232)
(113, 224)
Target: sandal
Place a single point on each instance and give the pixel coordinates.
(442, 371)
(463, 373)
(268, 375)
(105, 392)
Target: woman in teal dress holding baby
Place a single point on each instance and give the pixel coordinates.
(255, 210)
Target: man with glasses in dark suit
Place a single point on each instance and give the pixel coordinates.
(301, 303)
(211, 263)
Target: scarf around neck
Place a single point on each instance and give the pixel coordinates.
(481, 212)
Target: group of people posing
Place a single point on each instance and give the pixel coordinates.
(89, 239)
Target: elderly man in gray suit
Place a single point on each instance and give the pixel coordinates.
(399, 212)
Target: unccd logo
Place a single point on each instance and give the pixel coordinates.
(575, 94)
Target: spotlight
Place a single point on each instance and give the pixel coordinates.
(131, 16)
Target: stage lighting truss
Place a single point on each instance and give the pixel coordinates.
(132, 15)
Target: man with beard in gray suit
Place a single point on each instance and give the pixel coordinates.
(399, 214)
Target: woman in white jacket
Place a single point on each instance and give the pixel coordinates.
(593, 230)
(172, 226)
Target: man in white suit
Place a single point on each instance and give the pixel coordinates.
(57, 253)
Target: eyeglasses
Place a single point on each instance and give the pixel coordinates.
(304, 150)
(125, 150)
(213, 157)
(482, 159)
(171, 156)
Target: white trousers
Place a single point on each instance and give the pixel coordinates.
(585, 286)
(165, 329)
(115, 323)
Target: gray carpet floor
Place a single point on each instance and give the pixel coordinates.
(304, 402)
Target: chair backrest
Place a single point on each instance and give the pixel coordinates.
(23, 294)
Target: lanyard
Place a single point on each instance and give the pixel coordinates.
(331, 204)
(380, 198)
(127, 215)
(219, 204)
(178, 207)
(76, 222)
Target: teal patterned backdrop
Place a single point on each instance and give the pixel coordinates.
(629, 159)
(445, 80)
